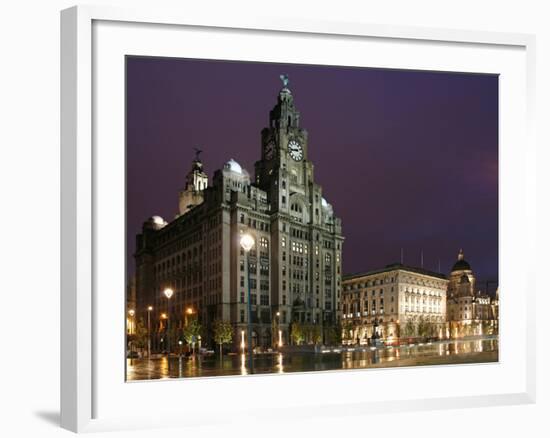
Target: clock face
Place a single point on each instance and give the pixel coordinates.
(295, 150)
(269, 149)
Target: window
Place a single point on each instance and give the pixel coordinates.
(242, 297)
(283, 199)
(242, 281)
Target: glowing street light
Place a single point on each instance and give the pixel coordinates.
(131, 322)
(149, 310)
(168, 293)
(247, 242)
(280, 343)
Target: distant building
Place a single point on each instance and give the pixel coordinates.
(469, 311)
(295, 264)
(393, 300)
(403, 301)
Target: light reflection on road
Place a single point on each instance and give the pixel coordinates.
(448, 352)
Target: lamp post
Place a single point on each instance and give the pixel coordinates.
(131, 329)
(247, 242)
(168, 294)
(149, 309)
(279, 343)
(188, 311)
(131, 323)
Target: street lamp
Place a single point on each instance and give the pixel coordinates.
(131, 323)
(188, 311)
(131, 328)
(168, 294)
(149, 310)
(280, 343)
(247, 242)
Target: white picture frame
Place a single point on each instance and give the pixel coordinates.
(83, 379)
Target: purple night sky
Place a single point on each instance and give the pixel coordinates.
(408, 159)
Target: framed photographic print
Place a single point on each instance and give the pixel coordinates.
(323, 212)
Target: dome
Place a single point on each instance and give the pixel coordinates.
(158, 220)
(324, 202)
(155, 222)
(461, 264)
(233, 166)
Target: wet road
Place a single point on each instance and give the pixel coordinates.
(447, 352)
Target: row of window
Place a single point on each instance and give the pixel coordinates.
(254, 223)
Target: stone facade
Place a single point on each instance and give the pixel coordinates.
(392, 301)
(406, 302)
(295, 265)
(469, 313)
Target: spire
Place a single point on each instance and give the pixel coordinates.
(460, 254)
(197, 154)
(284, 115)
(286, 81)
(196, 182)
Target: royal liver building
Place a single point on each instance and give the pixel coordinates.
(295, 265)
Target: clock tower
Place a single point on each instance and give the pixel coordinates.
(306, 236)
(284, 169)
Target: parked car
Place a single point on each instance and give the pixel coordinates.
(132, 355)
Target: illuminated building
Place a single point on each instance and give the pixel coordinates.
(397, 301)
(295, 265)
(469, 313)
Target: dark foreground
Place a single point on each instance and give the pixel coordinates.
(438, 353)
